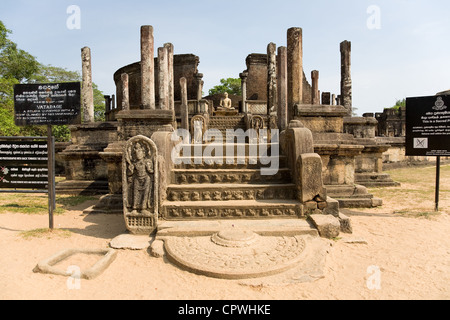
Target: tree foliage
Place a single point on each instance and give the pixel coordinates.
(18, 66)
(230, 85)
(399, 104)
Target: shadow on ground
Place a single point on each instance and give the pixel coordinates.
(104, 226)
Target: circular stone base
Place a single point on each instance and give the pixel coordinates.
(220, 257)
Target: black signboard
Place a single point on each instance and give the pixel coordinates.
(23, 165)
(47, 104)
(428, 126)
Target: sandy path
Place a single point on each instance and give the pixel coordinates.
(413, 255)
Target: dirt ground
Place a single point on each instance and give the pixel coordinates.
(406, 256)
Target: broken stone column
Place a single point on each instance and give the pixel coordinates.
(315, 87)
(244, 76)
(170, 70)
(282, 90)
(295, 69)
(333, 99)
(184, 105)
(163, 73)
(271, 78)
(87, 91)
(199, 77)
(148, 68)
(346, 78)
(125, 92)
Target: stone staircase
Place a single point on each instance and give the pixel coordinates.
(203, 189)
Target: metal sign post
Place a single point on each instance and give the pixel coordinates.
(438, 178)
(51, 176)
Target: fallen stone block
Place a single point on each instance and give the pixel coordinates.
(346, 225)
(327, 225)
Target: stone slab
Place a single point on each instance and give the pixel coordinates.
(273, 227)
(130, 242)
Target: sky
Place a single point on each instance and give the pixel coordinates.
(400, 48)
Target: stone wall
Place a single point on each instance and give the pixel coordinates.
(391, 123)
(257, 79)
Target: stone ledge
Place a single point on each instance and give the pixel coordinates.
(154, 115)
(274, 227)
(307, 110)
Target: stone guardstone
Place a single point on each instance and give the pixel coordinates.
(327, 225)
(309, 168)
(130, 242)
(140, 181)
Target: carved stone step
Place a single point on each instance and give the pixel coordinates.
(230, 192)
(225, 149)
(374, 180)
(245, 209)
(191, 176)
(230, 162)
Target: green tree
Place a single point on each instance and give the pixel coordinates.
(399, 104)
(14, 62)
(230, 85)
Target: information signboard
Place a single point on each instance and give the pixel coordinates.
(428, 126)
(23, 165)
(47, 104)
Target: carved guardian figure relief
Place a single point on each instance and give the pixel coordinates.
(140, 185)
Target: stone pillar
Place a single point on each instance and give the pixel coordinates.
(163, 78)
(333, 99)
(346, 77)
(170, 51)
(244, 76)
(184, 104)
(147, 68)
(199, 77)
(282, 90)
(125, 92)
(315, 97)
(271, 77)
(295, 69)
(107, 103)
(87, 91)
(326, 98)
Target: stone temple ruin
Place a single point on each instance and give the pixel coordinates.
(216, 180)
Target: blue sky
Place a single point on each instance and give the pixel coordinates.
(407, 54)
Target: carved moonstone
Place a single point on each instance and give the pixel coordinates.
(140, 185)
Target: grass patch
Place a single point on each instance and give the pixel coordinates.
(45, 233)
(38, 204)
(418, 214)
(73, 201)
